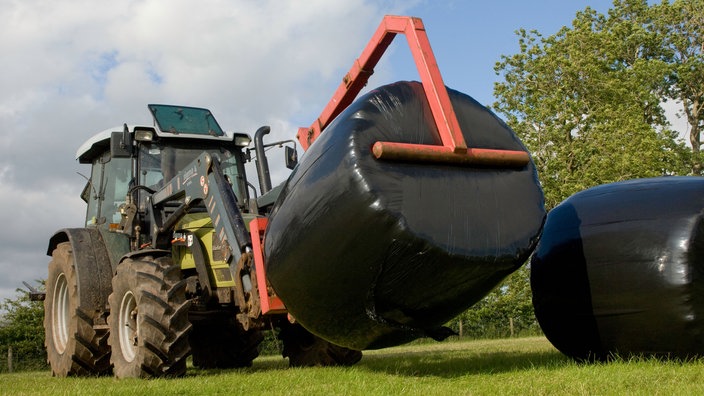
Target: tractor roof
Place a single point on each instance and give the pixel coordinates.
(169, 122)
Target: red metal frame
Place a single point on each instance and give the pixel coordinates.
(454, 148)
(270, 303)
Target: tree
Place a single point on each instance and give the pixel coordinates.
(586, 101)
(680, 27)
(22, 328)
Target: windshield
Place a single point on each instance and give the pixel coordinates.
(181, 119)
(159, 163)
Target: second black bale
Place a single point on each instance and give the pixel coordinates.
(620, 270)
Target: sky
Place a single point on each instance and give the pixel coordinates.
(72, 68)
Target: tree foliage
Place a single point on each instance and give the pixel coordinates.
(587, 100)
(506, 311)
(680, 26)
(22, 328)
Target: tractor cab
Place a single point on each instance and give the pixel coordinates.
(138, 160)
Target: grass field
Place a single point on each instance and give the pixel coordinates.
(511, 366)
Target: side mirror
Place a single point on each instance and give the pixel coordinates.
(291, 157)
(121, 144)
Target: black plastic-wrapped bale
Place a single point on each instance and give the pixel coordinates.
(368, 253)
(620, 270)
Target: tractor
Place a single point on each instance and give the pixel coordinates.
(147, 281)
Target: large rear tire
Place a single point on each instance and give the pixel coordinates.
(148, 319)
(305, 349)
(223, 343)
(74, 347)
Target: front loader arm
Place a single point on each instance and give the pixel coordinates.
(202, 181)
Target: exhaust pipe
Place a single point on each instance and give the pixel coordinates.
(261, 162)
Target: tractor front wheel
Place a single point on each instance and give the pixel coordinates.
(74, 346)
(223, 343)
(306, 349)
(148, 319)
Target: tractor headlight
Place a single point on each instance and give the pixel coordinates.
(142, 135)
(242, 140)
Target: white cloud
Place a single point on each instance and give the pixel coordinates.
(73, 68)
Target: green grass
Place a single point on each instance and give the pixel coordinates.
(513, 366)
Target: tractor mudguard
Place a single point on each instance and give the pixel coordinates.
(369, 253)
(93, 266)
(136, 255)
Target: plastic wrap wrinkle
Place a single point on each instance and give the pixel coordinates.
(369, 253)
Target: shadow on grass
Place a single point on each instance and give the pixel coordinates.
(454, 361)
(261, 364)
(457, 364)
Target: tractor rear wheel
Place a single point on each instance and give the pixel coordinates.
(223, 343)
(306, 349)
(149, 319)
(74, 347)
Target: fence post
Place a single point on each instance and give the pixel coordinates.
(460, 328)
(9, 358)
(510, 324)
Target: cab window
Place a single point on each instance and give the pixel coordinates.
(107, 189)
